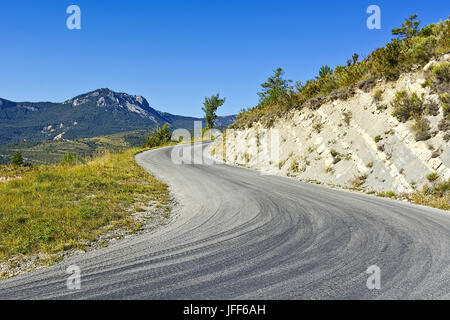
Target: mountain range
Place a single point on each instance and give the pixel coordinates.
(99, 112)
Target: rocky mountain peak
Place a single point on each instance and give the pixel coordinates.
(105, 97)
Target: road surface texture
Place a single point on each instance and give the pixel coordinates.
(238, 234)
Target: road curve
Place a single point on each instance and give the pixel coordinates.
(241, 235)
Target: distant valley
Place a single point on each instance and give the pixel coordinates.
(89, 123)
(97, 113)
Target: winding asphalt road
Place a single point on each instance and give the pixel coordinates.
(241, 235)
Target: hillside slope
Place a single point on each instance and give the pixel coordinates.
(380, 125)
(52, 151)
(351, 143)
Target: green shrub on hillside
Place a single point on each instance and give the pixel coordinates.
(347, 117)
(385, 61)
(445, 99)
(406, 106)
(378, 94)
(438, 78)
(421, 49)
(421, 128)
(442, 72)
(159, 137)
(17, 159)
(432, 177)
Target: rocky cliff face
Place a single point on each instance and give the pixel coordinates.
(110, 99)
(353, 143)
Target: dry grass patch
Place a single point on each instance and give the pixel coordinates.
(442, 202)
(55, 208)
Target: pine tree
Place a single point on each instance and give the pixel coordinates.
(409, 28)
(324, 72)
(275, 89)
(159, 137)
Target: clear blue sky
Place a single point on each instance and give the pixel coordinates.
(175, 53)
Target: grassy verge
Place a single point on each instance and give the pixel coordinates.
(432, 201)
(436, 195)
(50, 209)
